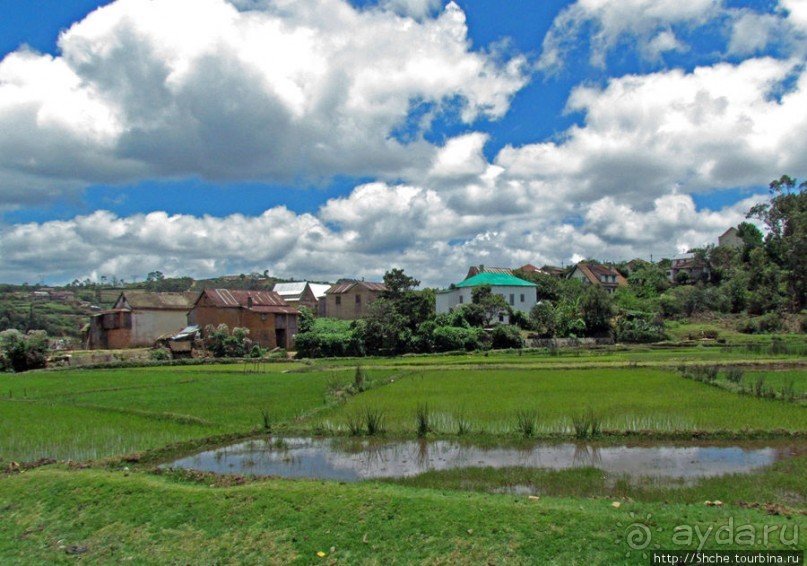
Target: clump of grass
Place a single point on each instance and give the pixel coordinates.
(759, 386)
(734, 374)
(526, 422)
(423, 418)
(359, 379)
(463, 423)
(587, 424)
(267, 420)
(355, 423)
(788, 391)
(374, 420)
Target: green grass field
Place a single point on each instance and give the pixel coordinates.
(634, 399)
(108, 510)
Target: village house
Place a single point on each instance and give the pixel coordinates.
(687, 268)
(138, 319)
(272, 323)
(730, 238)
(302, 294)
(521, 295)
(349, 301)
(601, 275)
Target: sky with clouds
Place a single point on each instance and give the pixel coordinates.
(322, 139)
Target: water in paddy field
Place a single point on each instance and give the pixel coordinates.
(362, 459)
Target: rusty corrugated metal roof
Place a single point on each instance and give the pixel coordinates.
(345, 287)
(258, 301)
(156, 301)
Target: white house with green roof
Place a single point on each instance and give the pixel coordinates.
(521, 295)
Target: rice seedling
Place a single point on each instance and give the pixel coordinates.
(734, 374)
(462, 423)
(374, 420)
(422, 416)
(788, 391)
(526, 422)
(267, 420)
(355, 423)
(359, 379)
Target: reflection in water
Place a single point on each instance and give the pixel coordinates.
(358, 459)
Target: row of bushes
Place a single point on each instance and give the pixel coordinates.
(332, 338)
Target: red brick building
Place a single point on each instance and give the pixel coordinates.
(272, 323)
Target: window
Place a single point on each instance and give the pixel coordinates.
(522, 297)
(462, 299)
(338, 300)
(512, 299)
(358, 299)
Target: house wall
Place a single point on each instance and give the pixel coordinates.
(269, 330)
(345, 306)
(731, 239)
(308, 300)
(110, 331)
(453, 299)
(147, 326)
(519, 298)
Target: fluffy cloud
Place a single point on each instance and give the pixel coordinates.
(648, 22)
(717, 127)
(270, 90)
(376, 227)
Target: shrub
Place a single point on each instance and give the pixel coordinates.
(449, 338)
(329, 338)
(22, 352)
(639, 328)
(159, 355)
(765, 324)
(224, 344)
(507, 336)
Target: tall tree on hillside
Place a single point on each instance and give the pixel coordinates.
(785, 216)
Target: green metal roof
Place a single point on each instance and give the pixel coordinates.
(495, 279)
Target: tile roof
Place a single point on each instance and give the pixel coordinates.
(594, 272)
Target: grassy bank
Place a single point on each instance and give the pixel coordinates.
(57, 516)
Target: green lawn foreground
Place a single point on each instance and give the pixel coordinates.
(57, 516)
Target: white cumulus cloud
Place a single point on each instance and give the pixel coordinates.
(273, 91)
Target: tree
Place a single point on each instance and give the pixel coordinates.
(597, 309)
(398, 283)
(305, 322)
(785, 216)
(493, 305)
(542, 317)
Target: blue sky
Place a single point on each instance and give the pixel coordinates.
(325, 138)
